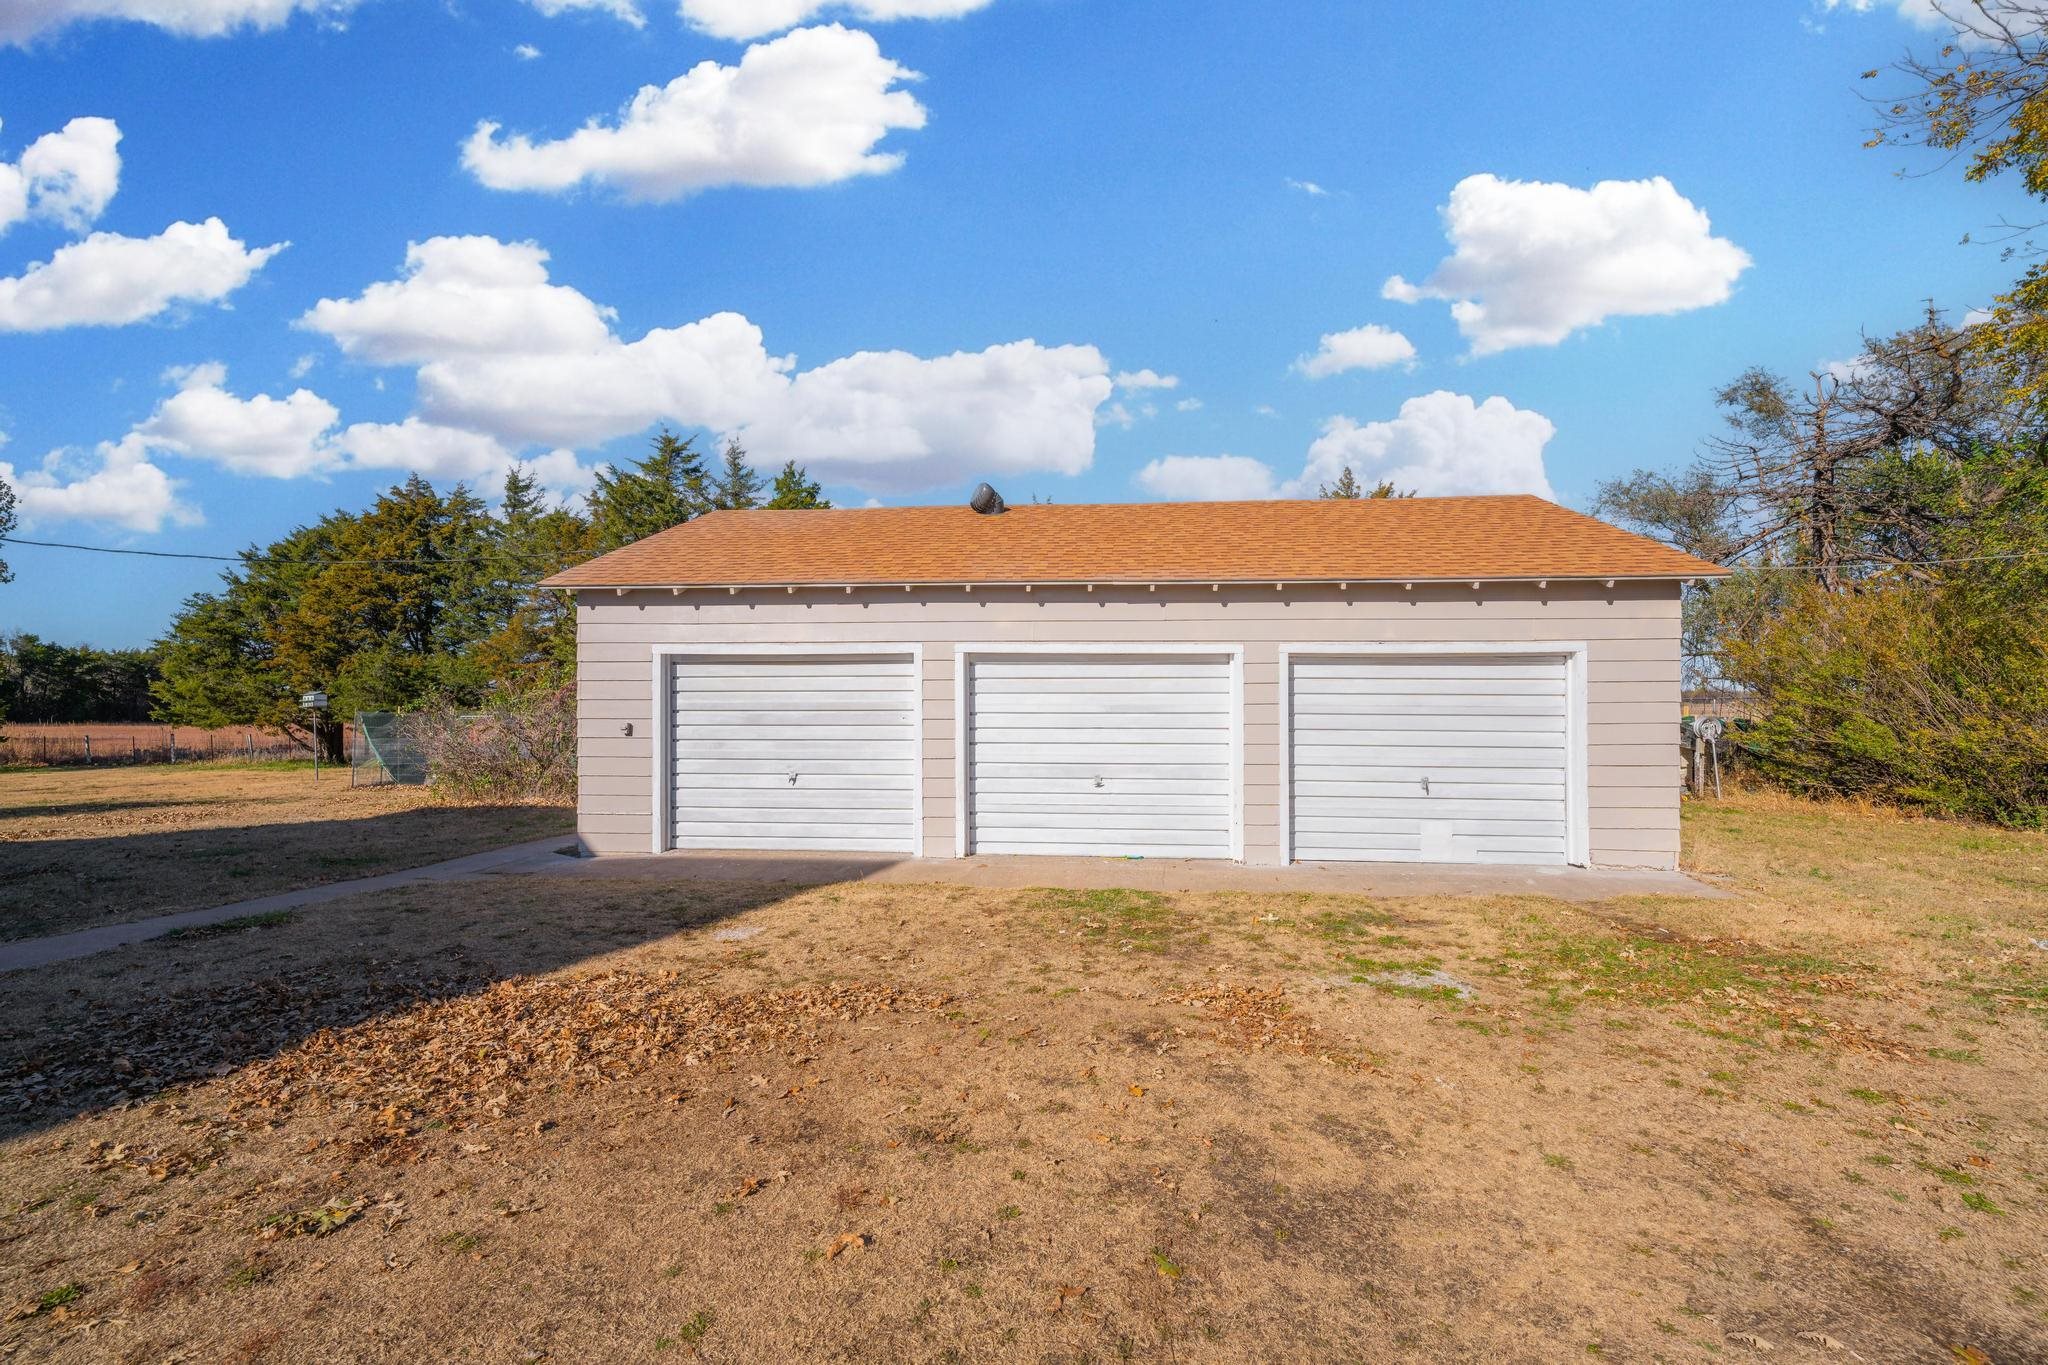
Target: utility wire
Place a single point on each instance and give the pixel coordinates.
(242, 559)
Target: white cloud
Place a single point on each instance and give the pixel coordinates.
(21, 20)
(806, 109)
(117, 486)
(300, 435)
(462, 297)
(107, 280)
(1207, 478)
(1308, 187)
(278, 438)
(1371, 347)
(743, 19)
(893, 421)
(1131, 381)
(1440, 444)
(1188, 405)
(303, 366)
(527, 52)
(1919, 13)
(67, 177)
(501, 351)
(1533, 262)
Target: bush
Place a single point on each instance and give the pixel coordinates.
(1926, 695)
(521, 749)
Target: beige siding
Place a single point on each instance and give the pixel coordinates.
(1630, 631)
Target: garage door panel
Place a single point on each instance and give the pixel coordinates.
(777, 779)
(1427, 762)
(1059, 788)
(724, 706)
(1405, 788)
(794, 752)
(1436, 806)
(1451, 759)
(1407, 704)
(1101, 754)
(1463, 687)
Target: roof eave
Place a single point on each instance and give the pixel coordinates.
(1709, 571)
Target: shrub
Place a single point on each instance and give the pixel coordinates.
(522, 748)
(1926, 695)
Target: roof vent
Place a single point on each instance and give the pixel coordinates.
(986, 501)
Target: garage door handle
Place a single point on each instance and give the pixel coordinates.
(792, 779)
(1425, 785)
(1098, 780)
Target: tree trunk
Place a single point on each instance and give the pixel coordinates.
(327, 734)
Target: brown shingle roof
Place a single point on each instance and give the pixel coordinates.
(1193, 542)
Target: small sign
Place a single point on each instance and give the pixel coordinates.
(1713, 727)
(314, 701)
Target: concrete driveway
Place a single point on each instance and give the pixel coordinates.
(1144, 874)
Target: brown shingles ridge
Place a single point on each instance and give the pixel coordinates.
(1325, 540)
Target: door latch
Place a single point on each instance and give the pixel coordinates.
(792, 778)
(1425, 785)
(1098, 780)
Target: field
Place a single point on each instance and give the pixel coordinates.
(83, 846)
(547, 1117)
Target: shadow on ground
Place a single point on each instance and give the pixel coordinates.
(116, 1029)
(51, 886)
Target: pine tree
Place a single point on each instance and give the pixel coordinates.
(796, 491)
(665, 489)
(1346, 487)
(736, 486)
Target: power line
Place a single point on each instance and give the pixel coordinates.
(243, 559)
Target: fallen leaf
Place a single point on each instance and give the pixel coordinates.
(848, 1241)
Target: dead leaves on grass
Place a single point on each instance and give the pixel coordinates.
(478, 1057)
(1254, 1018)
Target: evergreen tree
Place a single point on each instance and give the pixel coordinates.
(665, 489)
(736, 486)
(794, 490)
(1348, 488)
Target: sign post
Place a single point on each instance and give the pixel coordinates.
(316, 702)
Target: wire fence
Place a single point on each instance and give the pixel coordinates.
(53, 746)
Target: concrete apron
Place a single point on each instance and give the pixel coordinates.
(1142, 874)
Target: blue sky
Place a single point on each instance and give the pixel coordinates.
(912, 252)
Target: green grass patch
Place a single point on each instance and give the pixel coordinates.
(1570, 968)
(1118, 915)
(269, 919)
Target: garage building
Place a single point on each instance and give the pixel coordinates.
(1462, 680)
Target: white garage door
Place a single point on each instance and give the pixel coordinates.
(1101, 754)
(1446, 758)
(795, 752)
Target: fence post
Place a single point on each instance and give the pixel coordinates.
(88, 749)
(174, 744)
(252, 746)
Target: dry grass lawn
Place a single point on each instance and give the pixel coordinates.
(550, 1118)
(86, 846)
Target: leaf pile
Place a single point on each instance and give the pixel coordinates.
(478, 1056)
(125, 1047)
(1252, 1018)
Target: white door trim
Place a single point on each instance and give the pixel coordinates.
(965, 654)
(1578, 816)
(664, 733)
